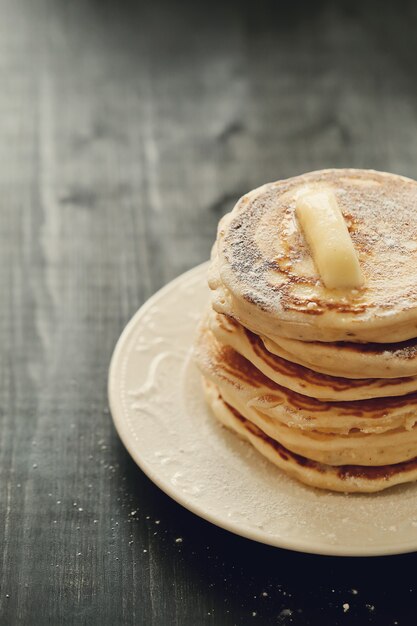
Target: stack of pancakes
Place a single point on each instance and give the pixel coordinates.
(323, 382)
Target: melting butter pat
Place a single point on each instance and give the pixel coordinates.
(327, 235)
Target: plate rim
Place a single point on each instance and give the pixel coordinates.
(319, 548)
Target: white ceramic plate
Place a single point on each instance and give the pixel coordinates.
(160, 414)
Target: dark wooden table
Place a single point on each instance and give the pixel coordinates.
(127, 129)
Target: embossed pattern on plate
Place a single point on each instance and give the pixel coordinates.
(160, 414)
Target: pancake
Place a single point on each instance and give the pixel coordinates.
(348, 478)
(263, 275)
(298, 378)
(358, 448)
(350, 360)
(367, 432)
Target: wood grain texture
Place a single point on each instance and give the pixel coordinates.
(127, 130)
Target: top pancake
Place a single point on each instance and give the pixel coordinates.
(262, 272)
